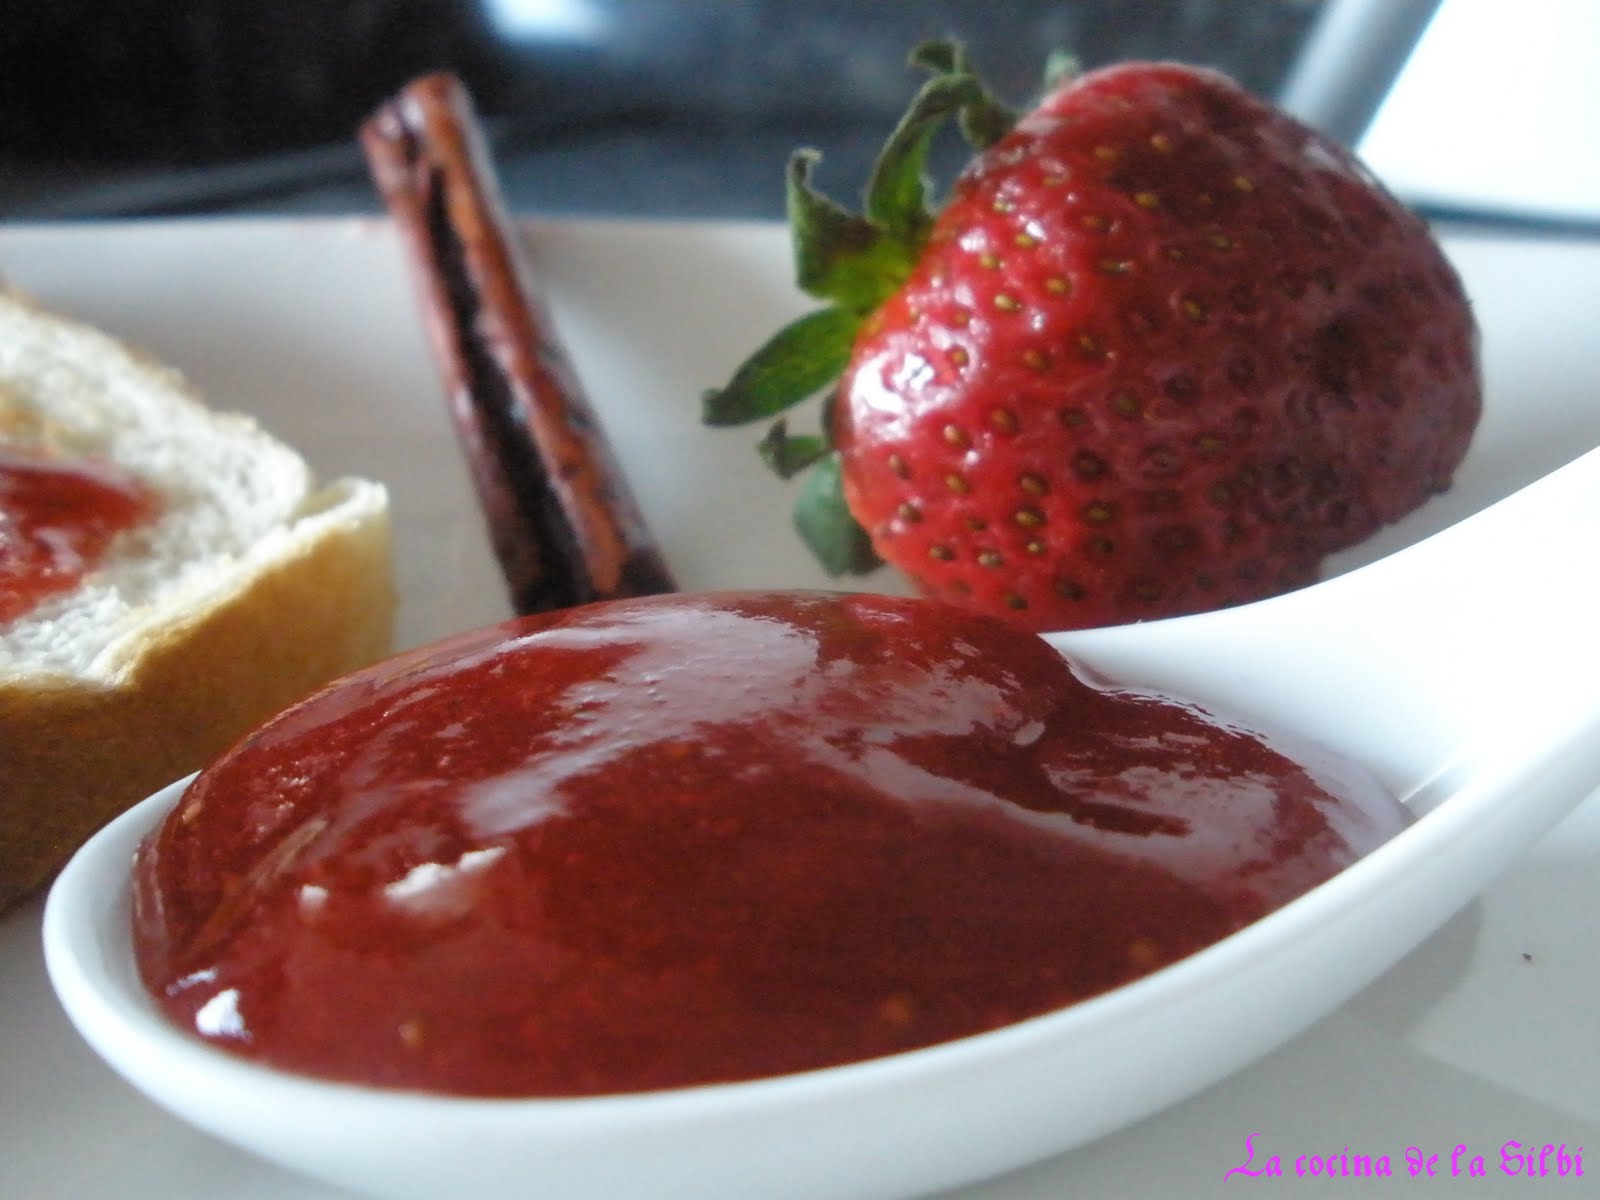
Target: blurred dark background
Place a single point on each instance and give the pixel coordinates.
(602, 107)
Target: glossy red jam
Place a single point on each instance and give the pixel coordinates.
(56, 519)
(688, 839)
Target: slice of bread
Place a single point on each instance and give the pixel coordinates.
(250, 586)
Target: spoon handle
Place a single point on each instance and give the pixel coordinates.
(1477, 644)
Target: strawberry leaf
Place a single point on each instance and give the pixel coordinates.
(825, 524)
(897, 192)
(798, 361)
(789, 454)
(854, 262)
(984, 120)
(941, 56)
(838, 255)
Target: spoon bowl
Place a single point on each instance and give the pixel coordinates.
(1462, 669)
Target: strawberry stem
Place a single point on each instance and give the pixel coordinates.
(853, 262)
(1060, 69)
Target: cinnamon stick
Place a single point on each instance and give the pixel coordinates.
(564, 525)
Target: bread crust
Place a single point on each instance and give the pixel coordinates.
(73, 755)
(180, 672)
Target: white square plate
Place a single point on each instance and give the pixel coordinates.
(1481, 1038)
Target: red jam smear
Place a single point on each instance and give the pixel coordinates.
(57, 518)
(690, 839)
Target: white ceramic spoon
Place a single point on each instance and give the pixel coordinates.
(1465, 669)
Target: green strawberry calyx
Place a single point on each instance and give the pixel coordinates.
(852, 262)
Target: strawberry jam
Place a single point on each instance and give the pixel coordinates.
(56, 519)
(688, 839)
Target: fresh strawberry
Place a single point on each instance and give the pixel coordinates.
(1163, 350)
